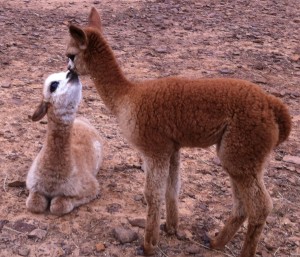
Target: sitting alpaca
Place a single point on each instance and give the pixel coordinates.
(160, 116)
(64, 172)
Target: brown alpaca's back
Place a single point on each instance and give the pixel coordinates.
(196, 113)
(160, 116)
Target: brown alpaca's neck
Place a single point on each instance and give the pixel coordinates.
(57, 157)
(109, 79)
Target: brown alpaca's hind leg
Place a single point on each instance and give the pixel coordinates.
(242, 155)
(155, 189)
(236, 219)
(258, 205)
(173, 186)
(255, 203)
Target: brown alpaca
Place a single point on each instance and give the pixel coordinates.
(160, 116)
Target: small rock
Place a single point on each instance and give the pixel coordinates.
(226, 71)
(261, 80)
(271, 220)
(138, 197)
(283, 93)
(216, 161)
(18, 83)
(17, 183)
(274, 92)
(38, 233)
(141, 223)
(286, 221)
(124, 235)
(66, 249)
(203, 206)
(6, 84)
(2, 223)
(114, 207)
(264, 253)
(23, 227)
(193, 249)
(295, 240)
(291, 168)
(161, 50)
(295, 58)
(86, 249)
(270, 243)
(191, 195)
(181, 235)
(100, 247)
(23, 251)
(96, 2)
(292, 159)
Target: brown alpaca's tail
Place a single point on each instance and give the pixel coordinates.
(282, 117)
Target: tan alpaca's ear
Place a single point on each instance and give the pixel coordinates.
(40, 111)
(95, 20)
(79, 36)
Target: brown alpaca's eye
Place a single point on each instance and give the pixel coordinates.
(71, 57)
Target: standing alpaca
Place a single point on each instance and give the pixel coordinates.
(161, 116)
(64, 172)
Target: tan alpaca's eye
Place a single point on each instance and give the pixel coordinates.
(53, 86)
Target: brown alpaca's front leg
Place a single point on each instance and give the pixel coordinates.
(155, 188)
(172, 192)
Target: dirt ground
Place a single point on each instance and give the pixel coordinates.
(252, 40)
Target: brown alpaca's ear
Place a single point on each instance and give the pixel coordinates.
(79, 36)
(40, 111)
(95, 20)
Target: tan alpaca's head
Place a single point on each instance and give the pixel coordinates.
(77, 49)
(62, 93)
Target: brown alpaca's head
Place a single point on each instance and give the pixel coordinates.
(82, 43)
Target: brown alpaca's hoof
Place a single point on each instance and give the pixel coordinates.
(169, 231)
(206, 240)
(213, 243)
(141, 251)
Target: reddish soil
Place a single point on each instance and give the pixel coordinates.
(253, 40)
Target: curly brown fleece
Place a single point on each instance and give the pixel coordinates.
(161, 116)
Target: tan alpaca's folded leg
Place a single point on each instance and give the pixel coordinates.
(61, 205)
(64, 204)
(36, 202)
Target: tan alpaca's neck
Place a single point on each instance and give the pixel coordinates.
(108, 77)
(58, 147)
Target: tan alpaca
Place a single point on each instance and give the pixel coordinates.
(163, 115)
(63, 173)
